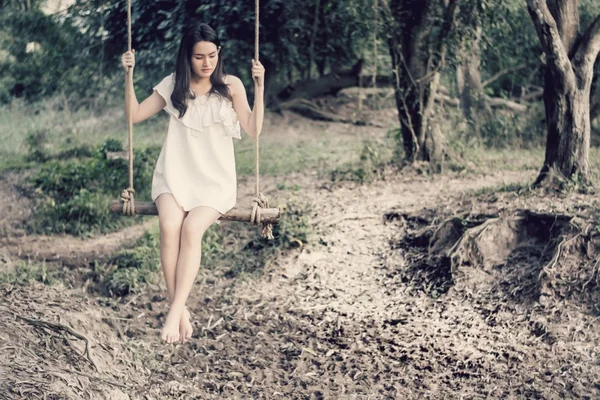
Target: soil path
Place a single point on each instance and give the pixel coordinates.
(333, 320)
(343, 273)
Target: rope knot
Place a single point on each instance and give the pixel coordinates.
(260, 202)
(128, 199)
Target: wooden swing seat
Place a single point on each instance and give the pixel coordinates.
(268, 215)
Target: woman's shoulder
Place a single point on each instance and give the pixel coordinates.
(229, 79)
(233, 83)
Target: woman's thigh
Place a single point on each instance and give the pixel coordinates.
(170, 214)
(198, 220)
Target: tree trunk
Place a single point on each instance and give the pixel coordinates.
(470, 87)
(417, 48)
(568, 130)
(567, 87)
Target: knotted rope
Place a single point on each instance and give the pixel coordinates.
(260, 201)
(127, 195)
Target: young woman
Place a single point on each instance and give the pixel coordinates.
(194, 181)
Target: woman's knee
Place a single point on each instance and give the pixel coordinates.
(170, 215)
(170, 227)
(192, 230)
(197, 222)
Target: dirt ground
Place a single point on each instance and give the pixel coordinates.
(346, 316)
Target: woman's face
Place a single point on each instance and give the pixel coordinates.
(204, 59)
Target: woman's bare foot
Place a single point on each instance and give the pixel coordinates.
(170, 331)
(185, 326)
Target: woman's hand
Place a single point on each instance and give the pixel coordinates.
(128, 60)
(258, 73)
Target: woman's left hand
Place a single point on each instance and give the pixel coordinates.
(258, 73)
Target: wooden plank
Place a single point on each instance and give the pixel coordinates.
(270, 215)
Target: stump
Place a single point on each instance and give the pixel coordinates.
(268, 215)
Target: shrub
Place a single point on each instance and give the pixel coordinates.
(73, 195)
(133, 267)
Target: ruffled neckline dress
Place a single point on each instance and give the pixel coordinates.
(196, 163)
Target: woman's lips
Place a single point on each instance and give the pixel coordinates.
(206, 69)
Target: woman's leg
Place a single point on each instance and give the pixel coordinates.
(197, 221)
(170, 221)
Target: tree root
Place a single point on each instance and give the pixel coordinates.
(58, 328)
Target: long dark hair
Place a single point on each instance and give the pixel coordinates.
(197, 32)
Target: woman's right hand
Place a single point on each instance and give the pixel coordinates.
(128, 60)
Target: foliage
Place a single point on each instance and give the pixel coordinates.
(93, 33)
(43, 55)
(25, 272)
(237, 247)
(373, 158)
(133, 267)
(285, 34)
(72, 195)
(515, 130)
(508, 43)
(240, 248)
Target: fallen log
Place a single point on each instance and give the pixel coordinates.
(494, 102)
(308, 109)
(327, 84)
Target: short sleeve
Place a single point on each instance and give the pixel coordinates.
(165, 89)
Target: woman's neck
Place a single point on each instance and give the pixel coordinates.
(199, 81)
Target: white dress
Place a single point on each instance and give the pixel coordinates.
(196, 163)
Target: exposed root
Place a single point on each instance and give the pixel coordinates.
(58, 328)
(522, 254)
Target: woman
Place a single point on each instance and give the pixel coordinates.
(194, 181)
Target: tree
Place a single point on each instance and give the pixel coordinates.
(570, 59)
(470, 86)
(418, 36)
(294, 38)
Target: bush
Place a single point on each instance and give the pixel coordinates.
(73, 195)
(510, 130)
(133, 267)
(373, 158)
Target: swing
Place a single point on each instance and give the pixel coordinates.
(260, 213)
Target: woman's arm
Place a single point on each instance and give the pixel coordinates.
(150, 106)
(250, 120)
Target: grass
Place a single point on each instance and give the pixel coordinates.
(51, 128)
(130, 269)
(73, 184)
(24, 272)
(63, 128)
(63, 150)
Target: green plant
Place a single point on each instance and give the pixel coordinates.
(72, 195)
(26, 272)
(36, 143)
(373, 157)
(131, 268)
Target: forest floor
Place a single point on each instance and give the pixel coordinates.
(366, 309)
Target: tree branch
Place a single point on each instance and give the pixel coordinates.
(589, 46)
(502, 73)
(550, 39)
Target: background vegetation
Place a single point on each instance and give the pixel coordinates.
(61, 90)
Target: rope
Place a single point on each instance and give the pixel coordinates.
(260, 201)
(127, 196)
